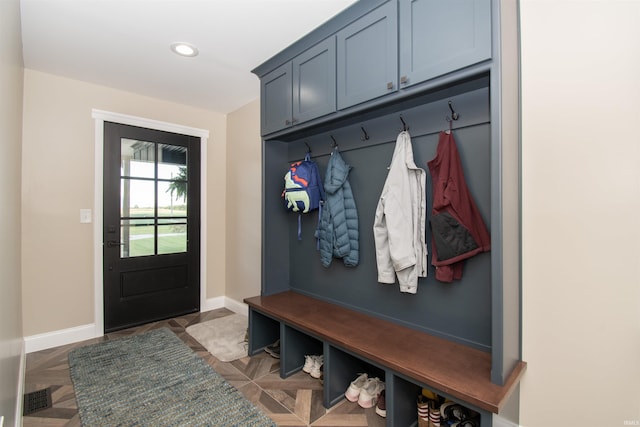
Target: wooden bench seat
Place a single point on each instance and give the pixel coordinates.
(452, 368)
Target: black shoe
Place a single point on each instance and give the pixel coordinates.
(273, 349)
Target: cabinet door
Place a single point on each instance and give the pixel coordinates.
(314, 82)
(368, 56)
(276, 99)
(437, 37)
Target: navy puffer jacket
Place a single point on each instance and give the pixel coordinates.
(338, 229)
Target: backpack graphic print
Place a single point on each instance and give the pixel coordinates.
(303, 189)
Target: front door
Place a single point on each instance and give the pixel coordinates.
(151, 236)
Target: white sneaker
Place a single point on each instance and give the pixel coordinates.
(315, 369)
(308, 364)
(353, 392)
(369, 392)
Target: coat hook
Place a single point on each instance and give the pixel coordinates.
(334, 144)
(308, 148)
(454, 115)
(365, 137)
(404, 125)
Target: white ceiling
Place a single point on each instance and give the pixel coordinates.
(124, 44)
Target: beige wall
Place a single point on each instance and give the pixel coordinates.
(581, 212)
(244, 192)
(58, 180)
(11, 77)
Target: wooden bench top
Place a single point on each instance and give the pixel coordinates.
(460, 371)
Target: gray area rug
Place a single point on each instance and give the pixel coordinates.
(154, 379)
(222, 337)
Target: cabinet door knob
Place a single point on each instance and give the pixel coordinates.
(389, 85)
(287, 122)
(404, 80)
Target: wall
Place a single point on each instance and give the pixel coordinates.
(58, 180)
(580, 222)
(243, 204)
(11, 78)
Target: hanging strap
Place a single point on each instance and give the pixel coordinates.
(299, 226)
(318, 227)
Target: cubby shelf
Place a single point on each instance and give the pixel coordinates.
(349, 340)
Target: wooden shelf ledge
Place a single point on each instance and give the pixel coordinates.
(462, 372)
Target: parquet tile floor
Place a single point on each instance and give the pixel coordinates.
(294, 401)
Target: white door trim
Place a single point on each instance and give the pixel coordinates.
(100, 117)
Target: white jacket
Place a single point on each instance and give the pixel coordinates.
(399, 225)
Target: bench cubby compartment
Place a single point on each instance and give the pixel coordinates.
(294, 346)
(263, 331)
(404, 394)
(341, 368)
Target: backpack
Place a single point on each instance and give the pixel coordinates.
(303, 191)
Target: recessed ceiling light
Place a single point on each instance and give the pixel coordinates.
(184, 49)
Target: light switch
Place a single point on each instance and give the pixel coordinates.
(85, 216)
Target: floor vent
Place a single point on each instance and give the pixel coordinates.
(36, 401)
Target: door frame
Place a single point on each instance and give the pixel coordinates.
(101, 116)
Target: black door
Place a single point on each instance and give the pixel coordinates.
(151, 236)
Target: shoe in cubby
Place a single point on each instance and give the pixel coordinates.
(316, 369)
(453, 412)
(309, 360)
(273, 349)
(423, 411)
(353, 391)
(435, 414)
(381, 406)
(472, 422)
(369, 392)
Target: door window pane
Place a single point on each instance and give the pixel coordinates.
(137, 198)
(137, 237)
(172, 198)
(172, 236)
(137, 158)
(172, 162)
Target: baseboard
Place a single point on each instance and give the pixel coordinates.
(212, 304)
(236, 307)
(57, 338)
(225, 302)
(48, 340)
(20, 391)
(498, 421)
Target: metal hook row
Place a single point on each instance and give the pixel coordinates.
(365, 135)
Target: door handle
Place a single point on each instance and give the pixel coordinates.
(113, 244)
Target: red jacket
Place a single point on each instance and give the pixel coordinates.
(458, 231)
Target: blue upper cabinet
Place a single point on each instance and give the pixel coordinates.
(314, 82)
(368, 56)
(300, 90)
(438, 37)
(276, 99)
(371, 52)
